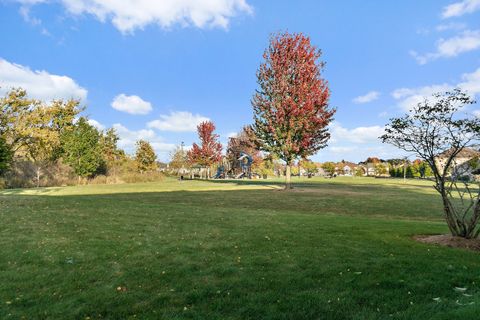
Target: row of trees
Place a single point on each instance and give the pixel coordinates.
(48, 143)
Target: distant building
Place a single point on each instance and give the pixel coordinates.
(465, 163)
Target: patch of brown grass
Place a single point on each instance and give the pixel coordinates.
(450, 241)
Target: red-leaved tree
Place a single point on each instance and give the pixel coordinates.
(291, 111)
(210, 150)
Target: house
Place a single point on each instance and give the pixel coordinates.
(346, 168)
(464, 164)
(374, 167)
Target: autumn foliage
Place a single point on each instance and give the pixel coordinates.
(210, 150)
(291, 111)
(244, 141)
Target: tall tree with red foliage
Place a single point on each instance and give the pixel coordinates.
(210, 150)
(291, 111)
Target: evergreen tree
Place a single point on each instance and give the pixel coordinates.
(82, 149)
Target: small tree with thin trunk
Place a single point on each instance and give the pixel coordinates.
(178, 160)
(329, 168)
(435, 132)
(145, 157)
(210, 150)
(290, 107)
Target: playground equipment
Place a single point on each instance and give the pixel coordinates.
(246, 165)
(235, 167)
(220, 173)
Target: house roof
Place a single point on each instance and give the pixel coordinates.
(465, 153)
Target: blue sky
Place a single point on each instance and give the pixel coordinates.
(154, 69)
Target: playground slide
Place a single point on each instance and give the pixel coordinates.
(219, 173)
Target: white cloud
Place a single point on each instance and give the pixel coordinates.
(460, 8)
(466, 41)
(410, 97)
(357, 154)
(343, 150)
(39, 84)
(476, 113)
(130, 15)
(359, 135)
(369, 97)
(96, 124)
(131, 104)
(356, 144)
(177, 121)
(471, 82)
(128, 138)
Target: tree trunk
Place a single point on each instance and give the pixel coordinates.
(288, 177)
(38, 177)
(449, 216)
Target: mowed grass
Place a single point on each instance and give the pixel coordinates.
(329, 249)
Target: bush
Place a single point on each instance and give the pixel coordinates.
(23, 174)
(464, 178)
(134, 177)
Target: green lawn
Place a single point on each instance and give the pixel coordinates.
(330, 249)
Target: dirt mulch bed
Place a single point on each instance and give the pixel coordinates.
(450, 241)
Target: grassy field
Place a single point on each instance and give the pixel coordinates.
(330, 249)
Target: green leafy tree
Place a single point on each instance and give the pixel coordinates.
(178, 159)
(82, 149)
(295, 170)
(5, 156)
(380, 169)
(32, 128)
(145, 156)
(266, 167)
(329, 168)
(359, 172)
(111, 153)
(309, 166)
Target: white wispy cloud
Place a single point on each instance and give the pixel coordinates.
(460, 8)
(131, 104)
(356, 144)
(468, 40)
(357, 154)
(177, 121)
(128, 138)
(471, 82)
(39, 84)
(366, 98)
(130, 15)
(410, 97)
